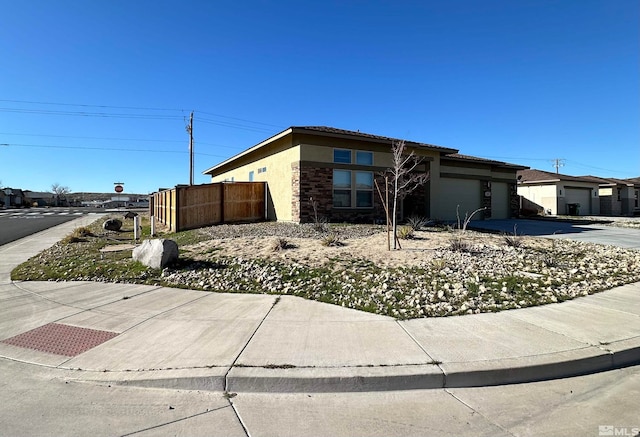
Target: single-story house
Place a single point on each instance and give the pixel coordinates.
(37, 198)
(12, 197)
(331, 171)
(558, 194)
(618, 197)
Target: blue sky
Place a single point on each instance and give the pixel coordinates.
(97, 92)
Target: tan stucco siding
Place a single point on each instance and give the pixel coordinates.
(274, 169)
(545, 196)
(479, 172)
(454, 194)
(382, 156)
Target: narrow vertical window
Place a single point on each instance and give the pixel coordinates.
(341, 188)
(364, 189)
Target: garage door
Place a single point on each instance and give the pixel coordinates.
(500, 205)
(463, 192)
(578, 195)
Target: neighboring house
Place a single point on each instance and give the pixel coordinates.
(334, 171)
(618, 197)
(40, 198)
(12, 197)
(558, 194)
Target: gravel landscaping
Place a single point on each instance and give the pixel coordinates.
(429, 277)
(438, 272)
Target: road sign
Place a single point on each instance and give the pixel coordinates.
(119, 188)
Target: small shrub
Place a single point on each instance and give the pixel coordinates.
(549, 259)
(405, 232)
(71, 238)
(82, 232)
(459, 245)
(514, 240)
(319, 222)
(417, 222)
(438, 264)
(279, 244)
(331, 240)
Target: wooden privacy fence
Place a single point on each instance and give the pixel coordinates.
(194, 206)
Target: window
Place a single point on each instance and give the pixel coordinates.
(346, 193)
(342, 188)
(251, 176)
(262, 170)
(364, 158)
(364, 189)
(342, 156)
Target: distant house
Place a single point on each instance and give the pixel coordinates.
(333, 170)
(12, 197)
(618, 197)
(37, 198)
(559, 194)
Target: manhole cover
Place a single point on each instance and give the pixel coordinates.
(59, 339)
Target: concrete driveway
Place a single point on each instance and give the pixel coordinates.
(592, 233)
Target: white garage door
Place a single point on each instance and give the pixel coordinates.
(500, 202)
(581, 196)
(463, 192)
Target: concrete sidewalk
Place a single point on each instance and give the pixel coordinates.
(173, 338)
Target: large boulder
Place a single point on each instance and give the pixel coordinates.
(112, 225)
(156, 253)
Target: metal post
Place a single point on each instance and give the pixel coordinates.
(136, 228)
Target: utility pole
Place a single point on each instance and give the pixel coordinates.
(557, 163)
(190, 131)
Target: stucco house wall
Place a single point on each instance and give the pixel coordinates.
(555, 192)
(300, 166)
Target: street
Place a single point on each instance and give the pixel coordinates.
(19, 223)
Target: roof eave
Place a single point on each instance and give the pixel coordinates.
(299, 129)
(277, 136)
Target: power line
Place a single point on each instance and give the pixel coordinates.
(241, 119)
(234, 125)
(91, 114)
(88, 106)
(91, 138)
(20, 110)
(108, 149)
(118, 139)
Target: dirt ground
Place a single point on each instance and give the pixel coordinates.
(311, 252)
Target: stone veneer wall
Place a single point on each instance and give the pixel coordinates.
(486, 200)
(315, 184)
(514, 200)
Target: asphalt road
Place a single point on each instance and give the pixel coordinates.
(19, 223)
(590, 233)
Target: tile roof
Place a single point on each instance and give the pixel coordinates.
(608, 181)
(532, 175)
(461, 157)
(335, 131)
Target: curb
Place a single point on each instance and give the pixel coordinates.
(242, 379)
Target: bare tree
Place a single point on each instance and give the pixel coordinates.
(60, 191)
(402, 179)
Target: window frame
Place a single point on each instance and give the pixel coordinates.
(353, 189)
(364, 153)
(336, 150)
